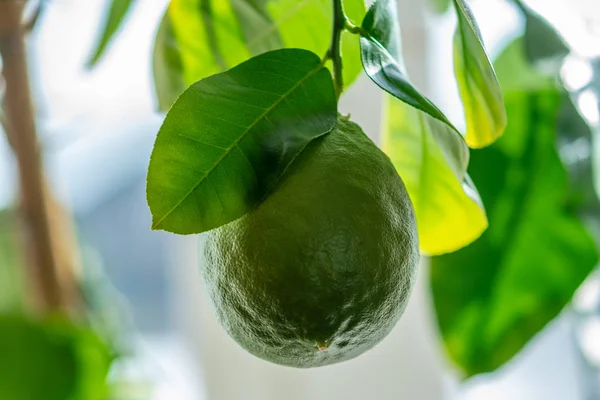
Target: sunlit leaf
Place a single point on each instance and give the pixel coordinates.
(493, 296)
(114, 19)
(307, 24)
(205, 37)
(479, 89)
(229, 138)
(430, 155)
(255, 23)
(448, 210)
(50, 360)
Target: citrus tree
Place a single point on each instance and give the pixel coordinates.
(312, 233)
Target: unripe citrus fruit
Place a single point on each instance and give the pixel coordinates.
(322, 270)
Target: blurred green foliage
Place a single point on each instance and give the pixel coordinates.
(11, 279)
(51, 360)
(493, 296)
(440, 6)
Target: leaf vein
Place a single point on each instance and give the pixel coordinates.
(193, 139)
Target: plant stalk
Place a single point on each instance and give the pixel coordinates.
(335, 51)
(46, 256)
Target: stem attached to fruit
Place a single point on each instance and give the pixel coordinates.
(335, 51)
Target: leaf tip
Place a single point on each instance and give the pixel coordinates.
(156, 225)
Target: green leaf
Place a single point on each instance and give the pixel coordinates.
(515, 73)
(448, 209)
(256, 25)
(545, 47)
(525, 268)
(382, 58)
(307, 24)
(11, 264)
(204, 37)
(113, 21)
(428, 152)
(479, 89)
(230, 137)
(168, 68)
(50, 360)
(440, 6)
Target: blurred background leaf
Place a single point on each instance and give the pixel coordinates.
(113, 21)
(167, 66)
(198, 38)
(440, 6)
(576, 141)
(545, 47)
(51, 360)
(11, 262)
(493, 296)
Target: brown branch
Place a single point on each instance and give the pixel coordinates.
(37, 208)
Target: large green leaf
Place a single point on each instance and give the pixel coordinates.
(114, 18)
(479, 89)
(11, 264)
(50, 360)
(230, 137)
(493, 296)
(430, 155)
(199, 38)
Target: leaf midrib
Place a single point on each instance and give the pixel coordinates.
(262, 116)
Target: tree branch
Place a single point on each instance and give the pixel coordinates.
(37, 208)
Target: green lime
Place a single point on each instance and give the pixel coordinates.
(322, 270)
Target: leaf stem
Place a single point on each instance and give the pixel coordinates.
(355, 29)
(335, 53)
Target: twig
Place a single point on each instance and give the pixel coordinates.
(335, 53)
